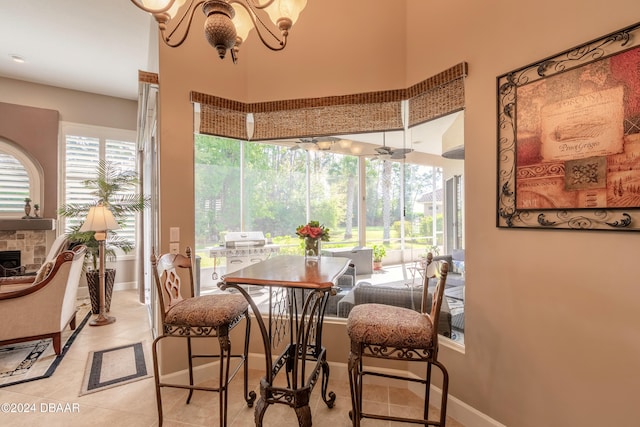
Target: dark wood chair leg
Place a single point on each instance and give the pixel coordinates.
(57, 342)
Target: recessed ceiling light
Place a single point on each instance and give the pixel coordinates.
(17, 58)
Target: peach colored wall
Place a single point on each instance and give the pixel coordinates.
(35, 130)
(23, 104)
(551, 336)
(73, 106)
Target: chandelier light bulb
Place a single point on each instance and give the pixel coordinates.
(242, 22)
(285, 13)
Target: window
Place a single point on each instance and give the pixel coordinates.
(248, 186)
(84, 147)
(264, 186)
(19, 179)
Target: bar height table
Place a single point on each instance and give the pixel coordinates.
(299, 290)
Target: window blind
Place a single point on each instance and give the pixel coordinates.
(14, 184)
(82, 157)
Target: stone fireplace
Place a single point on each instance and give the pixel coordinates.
(32, 237)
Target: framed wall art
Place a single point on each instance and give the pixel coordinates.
(569, 138)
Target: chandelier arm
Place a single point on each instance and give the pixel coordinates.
(189, 12)
(257, 4)
(255, 19)
(140, 5)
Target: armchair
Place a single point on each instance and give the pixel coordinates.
(43, 307)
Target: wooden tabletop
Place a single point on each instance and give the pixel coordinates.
(291, 271)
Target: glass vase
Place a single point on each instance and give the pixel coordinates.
(311, 248)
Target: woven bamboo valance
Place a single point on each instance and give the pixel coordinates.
(327, 120)
(437, 96)
(365, 112)
(436, 102)
(147, 77)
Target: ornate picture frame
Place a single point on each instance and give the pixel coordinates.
(569, 138)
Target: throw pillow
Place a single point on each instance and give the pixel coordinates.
(43, 272)
(458, 267)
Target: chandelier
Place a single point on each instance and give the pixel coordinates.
(228, 22)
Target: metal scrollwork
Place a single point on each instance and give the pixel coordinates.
(509, 214)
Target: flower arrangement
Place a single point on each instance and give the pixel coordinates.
(313, 230)
(311, 234)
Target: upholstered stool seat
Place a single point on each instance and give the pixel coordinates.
(207, 310)
(386, 325)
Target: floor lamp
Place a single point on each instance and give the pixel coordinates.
(100, 219)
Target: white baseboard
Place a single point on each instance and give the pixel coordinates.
(456, 408)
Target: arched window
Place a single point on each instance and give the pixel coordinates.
(19, 178)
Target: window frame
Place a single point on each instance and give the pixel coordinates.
(103, 134)
(33, 170)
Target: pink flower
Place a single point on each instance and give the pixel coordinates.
(315, 232)
(305, 231)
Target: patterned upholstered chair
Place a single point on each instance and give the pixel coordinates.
(203, 316)
(43, 306)
(389, 332)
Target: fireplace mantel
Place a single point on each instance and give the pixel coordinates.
(15, 224)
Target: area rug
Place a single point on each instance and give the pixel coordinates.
(34, 360)
(116, 366)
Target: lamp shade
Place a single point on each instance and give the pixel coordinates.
(285, 9)
(161, 4)
(99, 218)
(324, 145)
(242, 21)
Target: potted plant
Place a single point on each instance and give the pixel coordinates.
(115, 189)
(379, 252)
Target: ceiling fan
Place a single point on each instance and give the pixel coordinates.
(385, 152)
(320, 143)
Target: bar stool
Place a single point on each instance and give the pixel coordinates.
(388, 332)
(207, 316)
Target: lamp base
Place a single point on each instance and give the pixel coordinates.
(102, 320)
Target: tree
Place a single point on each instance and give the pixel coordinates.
(386, 201)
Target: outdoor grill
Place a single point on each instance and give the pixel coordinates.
(241, 249)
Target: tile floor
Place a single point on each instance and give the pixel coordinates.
(134, 404)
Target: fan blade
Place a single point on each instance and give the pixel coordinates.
(400, 153)
(383, 150)
(403, 150)
(326, 138)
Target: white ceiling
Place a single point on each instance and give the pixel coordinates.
(93, 46)
(98, 46)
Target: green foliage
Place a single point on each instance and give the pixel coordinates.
(434, 249)
(112, 188)
(426, 224)
(379, 252)
(408, 228)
